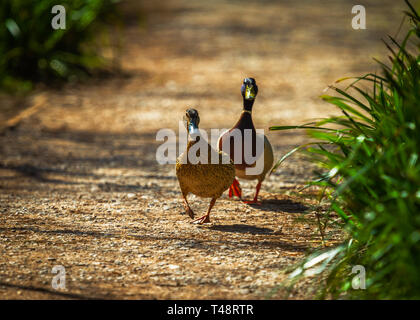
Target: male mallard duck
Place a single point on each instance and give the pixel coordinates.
(249, 91)
(204, 180)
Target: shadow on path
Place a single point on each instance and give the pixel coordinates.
(242, 228)
(68, 295)
(280, 205)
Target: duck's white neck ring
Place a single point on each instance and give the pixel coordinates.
(250, 112)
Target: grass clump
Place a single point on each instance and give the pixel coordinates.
(31, 50)
(370, 168)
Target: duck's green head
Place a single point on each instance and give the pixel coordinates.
(249, 89)
(192, 119)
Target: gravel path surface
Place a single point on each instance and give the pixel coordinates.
(80, 186)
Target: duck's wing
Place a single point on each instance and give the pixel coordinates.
(268, 157)
(268, 163)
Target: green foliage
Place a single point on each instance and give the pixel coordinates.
(31, 50)
(370, 161)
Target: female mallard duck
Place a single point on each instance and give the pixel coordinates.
(202, 179)
(249, 91)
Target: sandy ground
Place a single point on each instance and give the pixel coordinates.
(80, 186)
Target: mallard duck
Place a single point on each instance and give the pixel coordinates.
(204, 180)
(249, 92)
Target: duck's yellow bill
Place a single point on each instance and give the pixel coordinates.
(249, 92)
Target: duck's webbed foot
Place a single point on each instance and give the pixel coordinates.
(188, 210)
(255, 201)
(206, 217)
(203, 219)
(235, 189)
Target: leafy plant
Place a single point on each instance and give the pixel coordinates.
(30, 49)
(369, 159)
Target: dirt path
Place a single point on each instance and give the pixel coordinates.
(80, 186)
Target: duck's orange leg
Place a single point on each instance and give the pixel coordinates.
(206, 217)
(235, 189)
(187, 206)
(255, 201)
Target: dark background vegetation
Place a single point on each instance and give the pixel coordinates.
(31, 50)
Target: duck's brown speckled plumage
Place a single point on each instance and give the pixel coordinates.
(204, 180)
